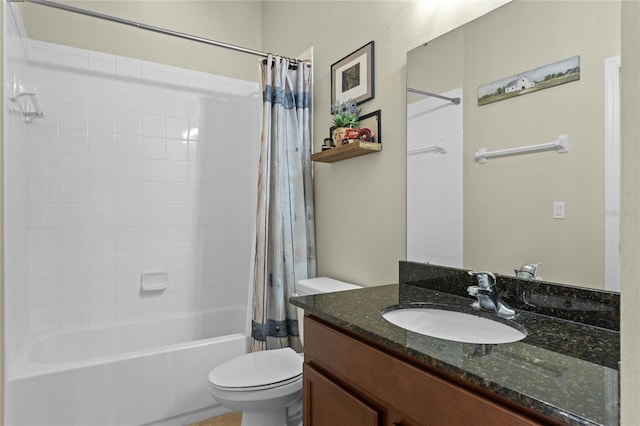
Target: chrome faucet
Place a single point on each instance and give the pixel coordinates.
(487, 295)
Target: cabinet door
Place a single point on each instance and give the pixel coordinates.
(396, 418)
(328, 404)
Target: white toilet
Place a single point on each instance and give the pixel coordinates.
(267, 386)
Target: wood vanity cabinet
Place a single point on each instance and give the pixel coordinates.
(348, 381)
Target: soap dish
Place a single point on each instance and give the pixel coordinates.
(154, 281)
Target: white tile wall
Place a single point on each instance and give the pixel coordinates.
(434, 182)
(136, 167)
(16, 217)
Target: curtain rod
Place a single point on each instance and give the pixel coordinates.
(142, 26)
(455, 101)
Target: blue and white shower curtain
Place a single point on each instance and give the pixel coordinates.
(285, 232)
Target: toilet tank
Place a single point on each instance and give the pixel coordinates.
(317, 285)
(321, 285)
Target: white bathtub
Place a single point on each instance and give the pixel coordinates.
(152, 372)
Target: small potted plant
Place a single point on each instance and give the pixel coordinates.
(345, 115)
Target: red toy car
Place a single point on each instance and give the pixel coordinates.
(362, 134)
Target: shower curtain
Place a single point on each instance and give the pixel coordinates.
(285, 233)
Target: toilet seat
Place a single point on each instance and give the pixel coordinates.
(257, 388)
(258, 371)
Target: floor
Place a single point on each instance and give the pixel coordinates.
(231, 419)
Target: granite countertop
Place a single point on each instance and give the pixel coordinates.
(564, 369)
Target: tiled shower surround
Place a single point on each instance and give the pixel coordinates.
(137, 167)
(434, 181)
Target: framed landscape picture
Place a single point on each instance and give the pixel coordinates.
(544, 77)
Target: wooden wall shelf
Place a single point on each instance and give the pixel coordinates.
(342, 152)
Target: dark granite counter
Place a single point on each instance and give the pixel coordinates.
(564, 369)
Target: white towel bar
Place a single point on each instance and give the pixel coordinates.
(561, 145)
(433, 148)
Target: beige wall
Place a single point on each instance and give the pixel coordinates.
(508, 202)
(630, 219)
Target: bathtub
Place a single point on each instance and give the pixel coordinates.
(142, 373)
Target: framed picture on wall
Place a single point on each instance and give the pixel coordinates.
(525, 82)
(352, 76)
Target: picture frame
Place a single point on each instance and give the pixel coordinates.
(530, 81)
(352, 77)
(372, 121)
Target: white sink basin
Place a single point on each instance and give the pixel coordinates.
(451, 325)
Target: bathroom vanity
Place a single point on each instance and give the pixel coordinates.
(362, 370)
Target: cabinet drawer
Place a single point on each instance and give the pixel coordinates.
(327, 404)
(388, 381)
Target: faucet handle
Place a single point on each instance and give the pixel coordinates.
(483, 278)
(528, 270)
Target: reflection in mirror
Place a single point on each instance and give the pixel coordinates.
(558, 210)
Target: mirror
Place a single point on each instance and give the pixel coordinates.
(547, 207)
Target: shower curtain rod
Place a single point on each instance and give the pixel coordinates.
(455, 101)
(142, 26)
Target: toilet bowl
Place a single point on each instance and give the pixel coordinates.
(266, 386)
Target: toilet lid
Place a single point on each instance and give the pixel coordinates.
(258, 369)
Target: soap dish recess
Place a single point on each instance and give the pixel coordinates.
(154, 281)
